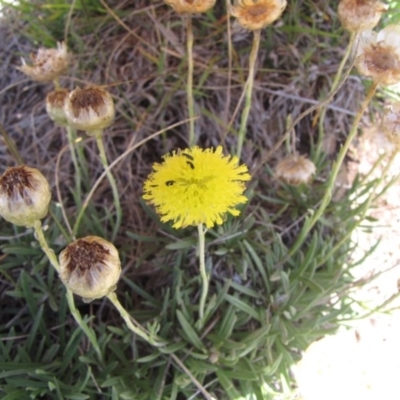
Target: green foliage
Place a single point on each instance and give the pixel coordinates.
(273, 290)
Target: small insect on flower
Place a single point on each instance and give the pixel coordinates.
(24, 195)
(90, 109)
(359, 15)
(90, 267)
(295, 170)
(55, 102)
(47, 64)
(378, 55)
(196, 186)
(257, 14)
(190, 6)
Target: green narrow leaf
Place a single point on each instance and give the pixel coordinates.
(189, 331)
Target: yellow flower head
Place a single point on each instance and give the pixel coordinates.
(47, 64)
(358, 15)
(196, 186)
(190, 6)
(257, 14)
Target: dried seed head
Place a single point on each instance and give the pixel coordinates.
(295, 170)
(90, 267)
(47, 64)
(257, 14)
(391, 123)
(190, 6)
(90, 109)
(55, 102)
(24, 195)
(379, 55)
(359, 15)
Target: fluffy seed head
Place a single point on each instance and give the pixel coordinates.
(47, 64)
(190, 6)
(257, 14)
(90, 267)
(24, 195)
(90, 109)
(378, 55)
(359, 15)
(295, 170)
(55, 102)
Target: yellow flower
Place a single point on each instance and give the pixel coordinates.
(190, 6)
(24, 195)
(358, 15)
(378, 55)
(47, 64)
(196, 186)
(90, 109)
(90, 267)
(295, 170)
(257, 14)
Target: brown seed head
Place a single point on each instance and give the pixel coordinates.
(190, 6)
(24, 195)
(379, 55)
(295, 170)
(55, 102)
(47, 64)
(90, 267)
(358, 15)
(257, 14)
(90, 109)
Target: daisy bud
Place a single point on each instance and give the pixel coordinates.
(295, 170)
(24, 195)
(47, 64)
(90, 267)
(190, 6)
(55, 106)
(379, 55)
(90, 109)
(391, 123)
(257, 14)
(359, 15)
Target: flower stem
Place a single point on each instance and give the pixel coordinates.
(136, 328)
(71, 142)
(189, 85)
(203, 274)
(249, 91)
(334, 173)
(37, 226)
(333, 88)
(70, 298)
(103, 158)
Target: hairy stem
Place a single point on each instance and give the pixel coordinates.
(189, 85)
(249, 91)
(203, 274)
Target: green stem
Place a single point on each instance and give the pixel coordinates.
(45, 247)
(334, 173)
(56, 83)
(70, 298)
(333, 88)
(114, 188)
(249, 91)
(189, 86)
(71, 141)
(136, 328)
(203, 274)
